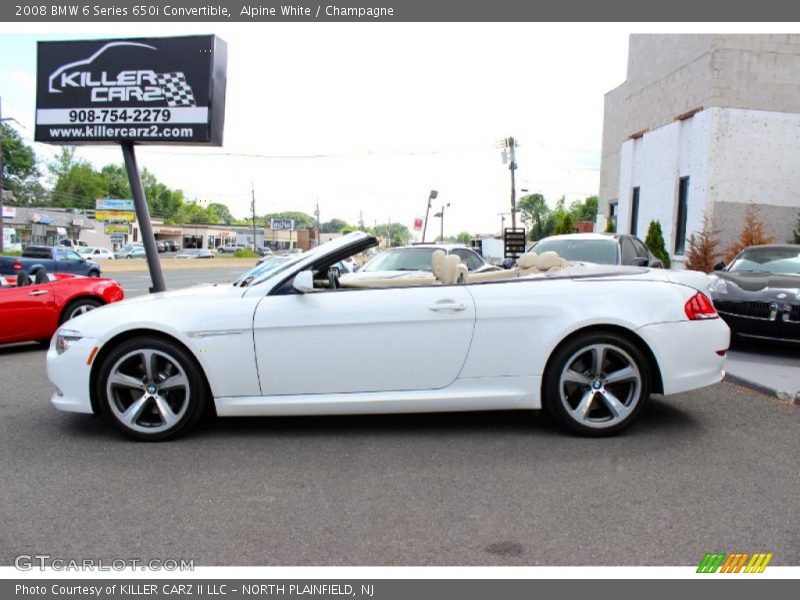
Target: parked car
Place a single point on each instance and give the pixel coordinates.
(230, 248)
(48, 259)
(599, 248)
(133, 250)
(283, 342)
(195, 253)
(32, 310)
(758, 294)
(265, 251)
(74, 244)
(96, 253)
(417, 258)
(171, 246)
(161, 247)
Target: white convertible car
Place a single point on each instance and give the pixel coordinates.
(587, 344)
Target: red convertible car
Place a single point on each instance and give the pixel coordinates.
(31, 310)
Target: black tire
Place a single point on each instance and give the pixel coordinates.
(78, 307)
(94, 273)
(577, 394)
(146, 419)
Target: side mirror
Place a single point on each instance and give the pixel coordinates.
(640, 261)
(719, 266)
(304, 282)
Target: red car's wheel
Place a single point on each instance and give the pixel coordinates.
(77, 308)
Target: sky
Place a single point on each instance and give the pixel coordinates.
(366, 119)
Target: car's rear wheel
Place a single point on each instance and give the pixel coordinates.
(597, 383)
(151, 388)
(78, 307)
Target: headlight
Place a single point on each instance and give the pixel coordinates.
(718, 286)
(65, 339)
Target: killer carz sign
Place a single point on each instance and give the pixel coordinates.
(146, 90)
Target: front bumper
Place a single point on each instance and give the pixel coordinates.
(764, 329)
(70, 373)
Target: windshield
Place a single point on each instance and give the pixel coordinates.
(601, 252)
(401, 259)
(785, 261)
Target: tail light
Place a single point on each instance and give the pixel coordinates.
(17, 265)
(699, 307)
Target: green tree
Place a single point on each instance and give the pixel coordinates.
(564, 224)
(77, 184)
(534, 209)
(20, 167)
(585, 210)
(301, 219)
(335, 226)
(399, 234)
(465, 237)
(655, 243)
(116, 178)
(223, 213)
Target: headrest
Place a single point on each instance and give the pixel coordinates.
(437, 263)
(527, 260)
(453, 271)
(548, 260)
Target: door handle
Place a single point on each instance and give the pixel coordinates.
(447, 306)
(38, 293)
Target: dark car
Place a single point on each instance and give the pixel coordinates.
(758, 294)
(599, 248)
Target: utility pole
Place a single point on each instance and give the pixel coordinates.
(511, 146)
(432, 196)
(316, 213)
(253, 209)
(361, 219)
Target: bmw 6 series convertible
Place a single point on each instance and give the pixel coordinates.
(588, 344)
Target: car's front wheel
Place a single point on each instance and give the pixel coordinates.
(151, 388)
(78, 307)
(596, 383)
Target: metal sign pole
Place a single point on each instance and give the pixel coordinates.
(143, 216)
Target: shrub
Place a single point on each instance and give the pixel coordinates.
(702, 252)
(752, 234)
(245, 253)
(610, 226)
(655, 243)
(565, 224)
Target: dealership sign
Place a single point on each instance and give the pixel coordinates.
(117, 228)
(155, 90)
(281, 224)
(113, 204)
(114, 216)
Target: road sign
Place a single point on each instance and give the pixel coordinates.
(114, 228)
(514, 242)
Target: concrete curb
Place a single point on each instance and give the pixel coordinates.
(761, 388)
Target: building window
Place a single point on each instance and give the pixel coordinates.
(613, 211)
(635, 211)
(680, 229)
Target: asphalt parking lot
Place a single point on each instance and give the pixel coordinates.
(716, 469)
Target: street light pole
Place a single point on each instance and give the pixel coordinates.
(511, 145)
(432, 196)
(440, 214)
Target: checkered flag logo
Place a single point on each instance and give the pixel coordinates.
(176, 90)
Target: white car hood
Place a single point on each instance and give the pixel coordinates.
(199, 307)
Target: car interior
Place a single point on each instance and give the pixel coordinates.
(446, 269)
